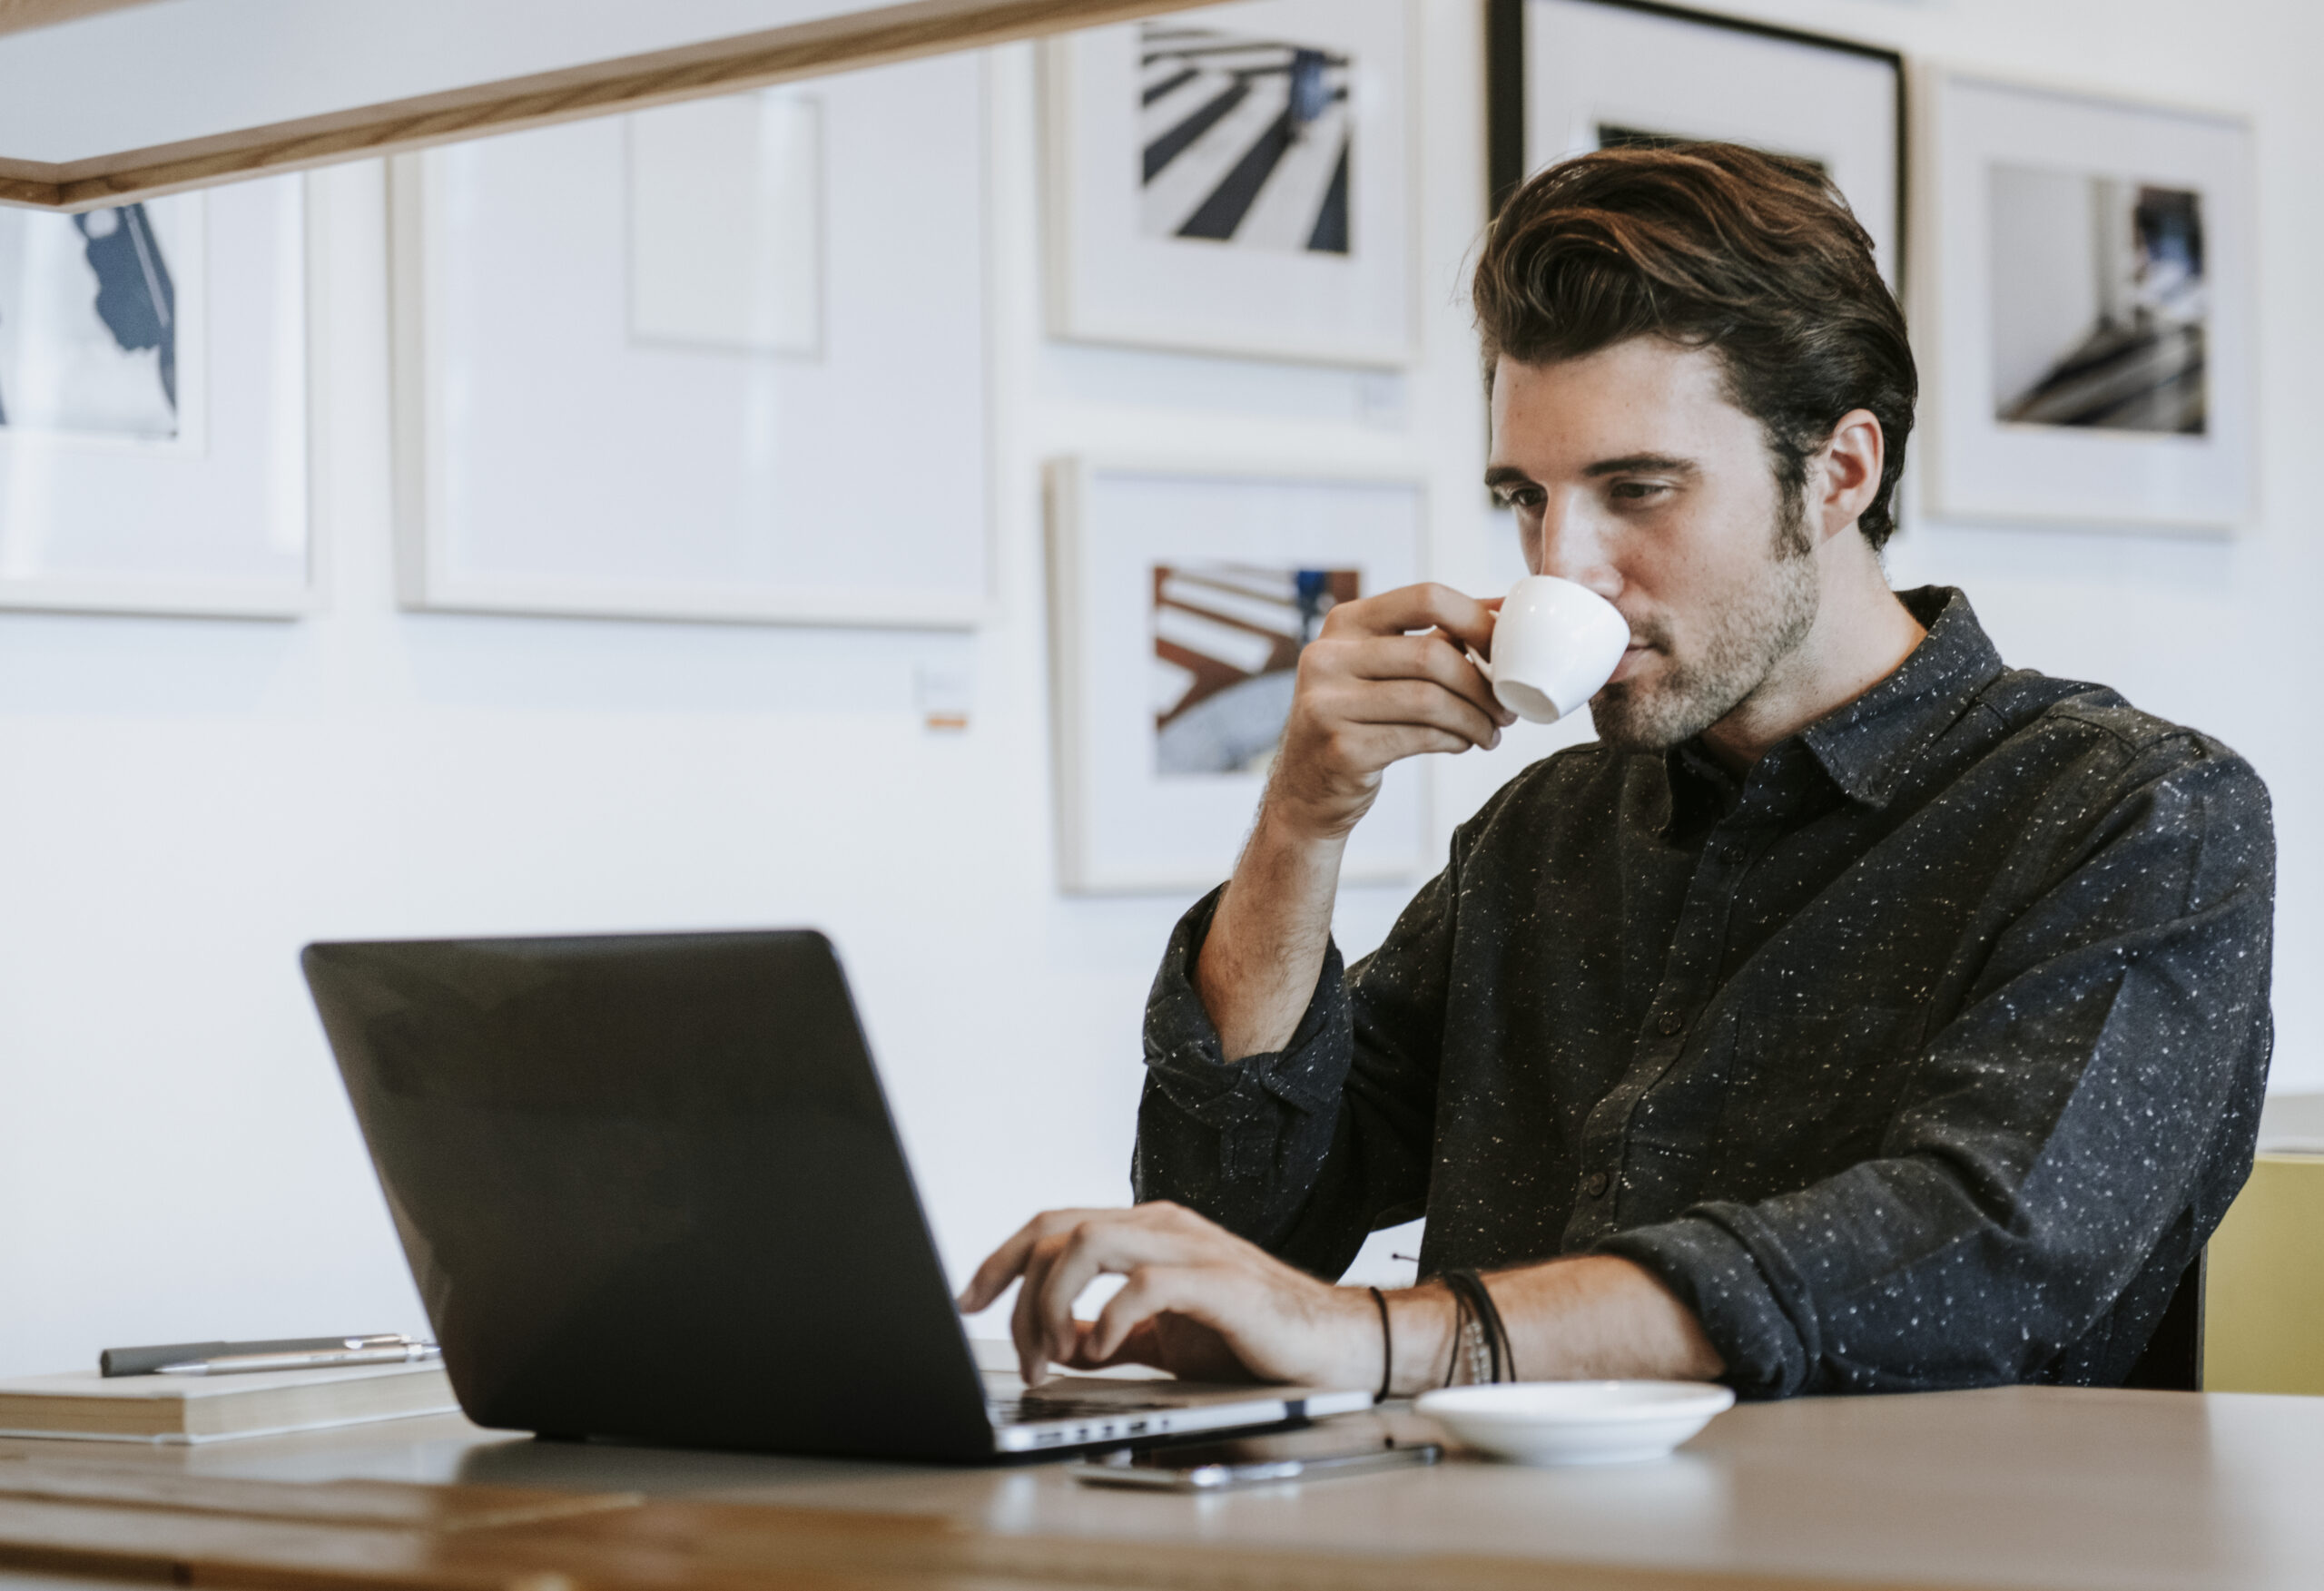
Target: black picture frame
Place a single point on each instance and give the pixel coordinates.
(1505, 93)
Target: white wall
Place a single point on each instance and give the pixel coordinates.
(202, 67)
(182, 803)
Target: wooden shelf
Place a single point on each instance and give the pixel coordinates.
(111, 100)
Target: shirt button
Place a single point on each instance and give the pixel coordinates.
(1596, 1184)
(1670, 1025)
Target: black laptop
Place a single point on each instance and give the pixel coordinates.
(650, 1189)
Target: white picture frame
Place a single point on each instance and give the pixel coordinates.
(2008, 165)
(126, 490)
(1246, 152)
(819, 455)
(1124, 533)
(1596, 71)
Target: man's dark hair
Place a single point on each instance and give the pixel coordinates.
(1710, 245)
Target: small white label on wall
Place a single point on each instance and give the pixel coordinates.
(947, 693)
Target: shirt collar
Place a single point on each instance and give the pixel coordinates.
(1866, 746)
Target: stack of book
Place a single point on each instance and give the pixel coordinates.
(202, 1409)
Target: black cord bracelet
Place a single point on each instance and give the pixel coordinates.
(1387, 1347)
(1467, 1335)
(1474, 1298)
(1504, 1352)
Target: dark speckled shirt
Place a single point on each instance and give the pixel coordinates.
(1927, 1055)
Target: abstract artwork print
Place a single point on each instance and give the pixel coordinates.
(1182, 599)
(1243, 141)
(1227, 644)
(88, 324)
(2099, 305)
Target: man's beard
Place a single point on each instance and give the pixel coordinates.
(1744, 642)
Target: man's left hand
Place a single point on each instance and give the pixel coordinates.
(1199, 1302)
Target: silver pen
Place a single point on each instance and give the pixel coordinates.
(238, 1364)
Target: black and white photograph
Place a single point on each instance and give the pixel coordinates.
(89, 319)
(1226, 643)
(1236, 181)
(1243, 141)
(1591, 74)
(2099, 303)
(2087, 307)
(1183, 593)
(1615, 135)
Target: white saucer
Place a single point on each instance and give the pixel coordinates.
(1576, 1422)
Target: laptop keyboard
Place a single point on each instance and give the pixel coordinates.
(1026, 1410)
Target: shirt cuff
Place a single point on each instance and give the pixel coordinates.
(1735, 1288)
(1182, 1046)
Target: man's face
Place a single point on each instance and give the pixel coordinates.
(1633, 474)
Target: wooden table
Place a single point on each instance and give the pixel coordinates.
(2014, 1488)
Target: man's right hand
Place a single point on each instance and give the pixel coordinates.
(1386, 679)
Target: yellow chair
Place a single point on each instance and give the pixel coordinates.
(2263, 1314)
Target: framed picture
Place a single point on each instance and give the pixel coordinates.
(1568, 76)
(2091, 303)
(722, 360)
(153, 391)
(1237, 180)
(1181, 597)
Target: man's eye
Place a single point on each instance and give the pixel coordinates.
(1519, 496)
(1638, 491)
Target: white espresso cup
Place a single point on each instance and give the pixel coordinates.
(1554, 646)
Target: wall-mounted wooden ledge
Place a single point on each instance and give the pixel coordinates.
(15, 15)
(863, 38)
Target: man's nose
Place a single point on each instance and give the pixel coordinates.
(1575, 546)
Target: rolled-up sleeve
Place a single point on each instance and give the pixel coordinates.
(1208, 1126)
(1303, 1151)
(2067, 1127)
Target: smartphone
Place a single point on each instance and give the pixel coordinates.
(1301, 1455)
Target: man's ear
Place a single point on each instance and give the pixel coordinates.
(1846, 474)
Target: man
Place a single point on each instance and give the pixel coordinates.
(1856, 1014)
